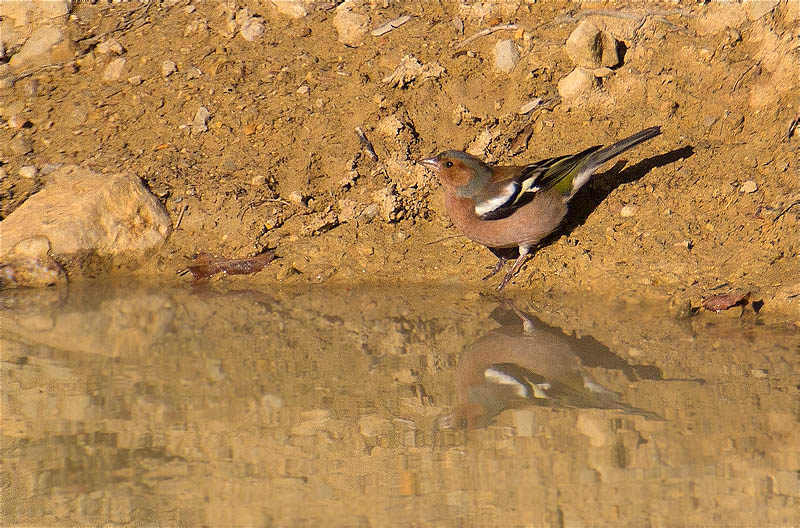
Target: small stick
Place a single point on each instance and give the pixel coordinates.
(487, 31)
(792, 127)
(362, 137)
(786, 210)
(180, 216)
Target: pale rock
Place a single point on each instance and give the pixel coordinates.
(480, 144)
(93, 222)
(135, 80)
(111, 45)
(390, 126)
(252, 29)
(297, 198)
(21, 145)
(28, 171)
(748, 187)
(293, 8)
(200, 121)
(17, 121)
(756, 9)
(506, 56)
(589, 47)
(168, 67)
(628, 211)
(30, 264)
(54, 8)
(114, 69)
(577, 84)
(350, 26)
(40, 43)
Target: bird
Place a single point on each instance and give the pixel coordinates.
(504, 207)
(525, 365)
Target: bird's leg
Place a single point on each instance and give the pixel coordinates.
(501, 261)
(523, 256)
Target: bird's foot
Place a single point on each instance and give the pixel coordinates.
(501, 261)
(506, 279)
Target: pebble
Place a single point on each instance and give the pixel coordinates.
(589, 47)
(111, 45)
(168, 67)
(17, 121)
(529, 106)
(350, 26)
(49, 167)
(28, 171)
(114, 69)
(200, 121)
(40, 42)
(21, 145)
(628, 210)
(576, 84)
(252, 29)
(297, 197)
(748, 187)
(292, 8)
(135, 80)
(506, 55)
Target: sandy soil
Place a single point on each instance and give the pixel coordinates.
(281, 166)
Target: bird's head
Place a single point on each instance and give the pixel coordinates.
(458, 169)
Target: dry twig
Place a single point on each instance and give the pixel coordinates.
(487, 31)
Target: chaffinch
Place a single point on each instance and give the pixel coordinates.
(517, 206)
(519, 365)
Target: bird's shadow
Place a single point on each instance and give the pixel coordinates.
(601, 185)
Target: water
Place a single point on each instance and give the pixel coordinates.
(221, 405)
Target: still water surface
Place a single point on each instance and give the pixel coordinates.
(226, 406)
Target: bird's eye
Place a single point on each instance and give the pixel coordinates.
(448, 164)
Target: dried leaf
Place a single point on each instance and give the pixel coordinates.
(208, 265)
(724, 301)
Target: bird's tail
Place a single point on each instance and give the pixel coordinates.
(604, 154)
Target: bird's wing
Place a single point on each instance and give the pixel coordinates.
(516, 186)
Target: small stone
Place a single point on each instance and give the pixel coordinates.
(293, 8)
(370, 212)
(628, 210)
(168, 67)
(297, 197)
(28, 171)
(41, 41)
(21, 145)
(576, 84)
(252, 29)
(748, 187)
(111, 45)
(193, 73)
(350, 26)
(50, 167)
(303, 89)
(506, 56)
(589, 47)
(114, 69)
(200, 121)
(529, 106)
(136, 80)
(17, 121)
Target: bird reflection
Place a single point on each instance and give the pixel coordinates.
(525, 362)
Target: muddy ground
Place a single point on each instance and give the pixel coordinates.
(281, 167)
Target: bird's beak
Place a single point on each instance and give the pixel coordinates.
(431, 163)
